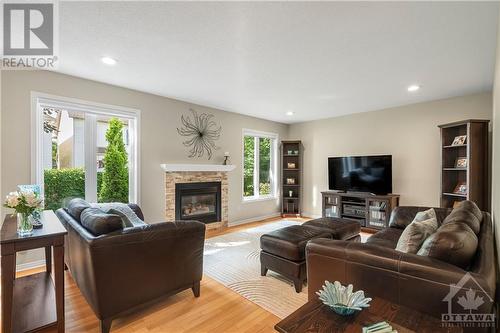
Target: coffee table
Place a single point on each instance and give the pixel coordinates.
(317, 317)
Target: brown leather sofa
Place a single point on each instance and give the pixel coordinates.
(416, 281)
(128, 268)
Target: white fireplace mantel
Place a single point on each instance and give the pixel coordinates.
(196, 167)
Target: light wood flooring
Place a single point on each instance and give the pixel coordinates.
(218, 310)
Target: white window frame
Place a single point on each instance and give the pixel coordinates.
(274, 166)
(39, 100)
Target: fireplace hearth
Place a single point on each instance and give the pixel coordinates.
(199, 201)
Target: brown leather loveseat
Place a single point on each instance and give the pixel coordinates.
(130, 267)
(416, 281)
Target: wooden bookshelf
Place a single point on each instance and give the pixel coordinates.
(475, 174)
(291, 165)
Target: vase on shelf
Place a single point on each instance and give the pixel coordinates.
(24, 224)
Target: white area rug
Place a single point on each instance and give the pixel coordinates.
(233, 260)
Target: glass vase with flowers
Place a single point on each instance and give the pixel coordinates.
(24, 203)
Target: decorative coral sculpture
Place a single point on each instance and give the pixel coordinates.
(342, 299)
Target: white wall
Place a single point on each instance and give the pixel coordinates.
(160, 142)
(408, 133)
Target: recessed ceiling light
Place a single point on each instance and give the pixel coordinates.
(413, 88)
(289, 113)
(108, 61)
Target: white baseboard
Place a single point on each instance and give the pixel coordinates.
(311, 215)
(30, 265)
(253, 219)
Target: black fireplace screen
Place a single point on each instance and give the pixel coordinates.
(198, 201)
(199, 204)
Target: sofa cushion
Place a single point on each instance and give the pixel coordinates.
(290, 242)
(387, 237)
(454, 243)
(466, 212)
(75, 208)
(424, 224)
(99, 223)
(340, 229)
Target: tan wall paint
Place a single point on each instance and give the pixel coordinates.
(1, 202)
(160, 142)
(495, 184)
(409, 133)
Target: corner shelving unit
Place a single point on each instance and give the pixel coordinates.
(475, 174)
(291, 174)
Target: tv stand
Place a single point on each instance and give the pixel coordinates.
(358, 193)
(370, 210)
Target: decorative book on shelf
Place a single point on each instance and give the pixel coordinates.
(464, 163)
(291, 174)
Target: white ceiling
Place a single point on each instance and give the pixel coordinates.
(263, 59)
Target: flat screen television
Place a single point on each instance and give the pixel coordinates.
(371, 174)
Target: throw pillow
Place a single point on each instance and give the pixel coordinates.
(425, 215)
(455, 243)
(466, 212)
(99, 223)
(76, 206)
(128, 216)
(423, 225)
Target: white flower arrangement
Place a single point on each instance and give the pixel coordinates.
(25, 202)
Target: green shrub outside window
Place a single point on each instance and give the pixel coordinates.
(64, 184)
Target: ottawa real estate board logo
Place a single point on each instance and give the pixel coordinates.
(29, 35)
(469, 305)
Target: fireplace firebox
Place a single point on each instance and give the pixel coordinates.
(198, 201)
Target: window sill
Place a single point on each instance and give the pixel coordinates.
(257, 199)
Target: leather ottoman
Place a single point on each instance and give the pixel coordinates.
(341, 229)
(283, 250)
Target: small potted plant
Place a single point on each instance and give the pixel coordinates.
(24, 203)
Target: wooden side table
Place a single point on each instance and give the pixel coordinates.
(315, 317)
(28, 302)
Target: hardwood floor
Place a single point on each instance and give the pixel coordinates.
(217, 310)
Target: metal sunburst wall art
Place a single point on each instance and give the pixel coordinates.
(202, 131)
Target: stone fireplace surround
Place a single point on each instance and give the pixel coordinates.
(194, 173)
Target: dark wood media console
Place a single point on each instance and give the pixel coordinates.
(371, 211)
